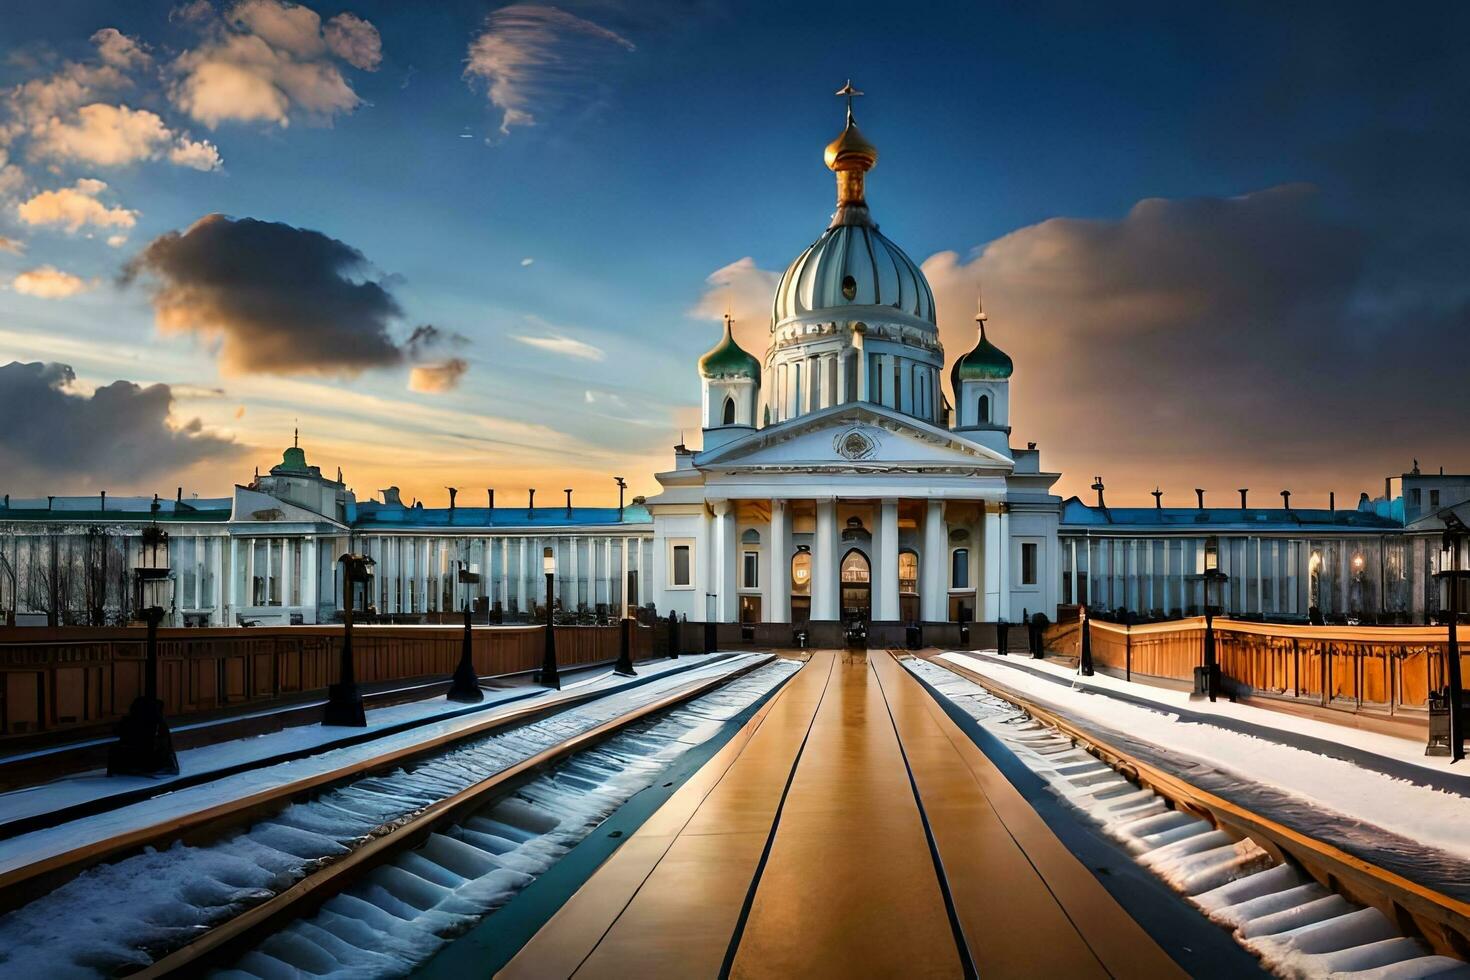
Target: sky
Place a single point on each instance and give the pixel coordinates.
(480, 245)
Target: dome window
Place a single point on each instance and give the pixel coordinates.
(849, 287)
(729, 411)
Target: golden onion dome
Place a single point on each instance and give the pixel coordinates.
(850, 150)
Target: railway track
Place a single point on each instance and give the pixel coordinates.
(1306, 907)
(177, 902)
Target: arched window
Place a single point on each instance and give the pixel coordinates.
(855, 568)
(729, 410)
(801, 573)
(959, 568)
(908, 572)
(982, 410)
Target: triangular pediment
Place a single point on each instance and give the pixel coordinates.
(854, 437)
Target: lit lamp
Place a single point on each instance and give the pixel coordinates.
(1451, 575)
(344, 702)
(1207, 677)
(465, 686)
(549, 674)
(144, 746)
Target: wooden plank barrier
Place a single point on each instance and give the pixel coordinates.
(1379, 670)
(72, 677)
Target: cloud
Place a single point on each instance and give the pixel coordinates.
(437, 378)
(12, 245)
(1215, 342)
(562, 345)
(265, 61)
(275, 298)
(117, 241)
(355, 41)
(745, 292)
(198, 154)
(120, 434)
(526, 262)
(49, 282)
(120, 51)
(75, 207)
(531, 55)
(104, 135)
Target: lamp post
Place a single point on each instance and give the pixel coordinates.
(709, 622)
(1454, 534)
(625, 648)
(144, 746)
(344, 702)
(1207, 677)
(549, 674)
(465, 686)
(1084, 658)
(622, 488)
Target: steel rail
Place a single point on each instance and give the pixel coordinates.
(1441, 920)
(302, 898)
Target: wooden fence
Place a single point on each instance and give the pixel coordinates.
(1377, 669)
(75, 677)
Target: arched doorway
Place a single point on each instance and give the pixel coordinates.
(857, 588)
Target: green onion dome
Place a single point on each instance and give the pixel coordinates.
(728, 359)
(986, 362)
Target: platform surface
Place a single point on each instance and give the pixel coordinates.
(849, 829)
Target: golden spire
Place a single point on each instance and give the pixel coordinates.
(850, 156)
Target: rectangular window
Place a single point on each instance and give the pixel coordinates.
(750, 570)
(1434, 499)
(1414, 496)
(1028, 563)
(959, 572)
(681, 565)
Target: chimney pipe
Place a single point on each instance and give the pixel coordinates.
(490, 494)
(1243, 492)
(50, 499)
(179, 495)
(569, 504)
(531, 505)
(7, 501)
(1201, 495)
(1286, 499)
(1158, 498)
(103, 496)
(1388, 488)
(1332, 501)
(453, 492)
(1097, 484)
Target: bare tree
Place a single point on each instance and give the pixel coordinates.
(96, 577)
(8, 573)
(51, 581)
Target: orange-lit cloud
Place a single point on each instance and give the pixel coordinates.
(74, 207)
(48, 282)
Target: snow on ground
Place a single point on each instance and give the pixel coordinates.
(1414, 811)
(115, 917)
(25, 849)
(1297, 927)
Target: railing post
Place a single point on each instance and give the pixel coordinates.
(625, 649)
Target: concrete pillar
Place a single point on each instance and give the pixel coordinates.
(234, 586)
(934, 583)
(825, 577)
(574, 593)
(726, 562)
(1075, 597)
(778, 608)
(885, 584)
(1006, 611)
(311, 582)
(990, 543)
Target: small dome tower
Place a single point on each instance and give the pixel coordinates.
(982, 381)
(731, 379)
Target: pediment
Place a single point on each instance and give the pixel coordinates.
(855, 438)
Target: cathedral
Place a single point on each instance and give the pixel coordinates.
(836, 483)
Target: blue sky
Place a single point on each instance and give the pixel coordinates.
(1307, 162)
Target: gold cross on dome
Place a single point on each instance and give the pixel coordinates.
(848, 92)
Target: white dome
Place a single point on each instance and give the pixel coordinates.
(852, 264)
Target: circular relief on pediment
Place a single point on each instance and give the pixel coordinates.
(855, 444)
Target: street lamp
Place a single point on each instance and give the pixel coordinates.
(622, 487)
(549, 674)
(144, 746)
(465, 686)
(1454, 536)
(1084, 655)
(344, 702)
(1207, 677)
(709, 622)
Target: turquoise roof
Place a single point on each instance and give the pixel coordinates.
(986, 362)
(728, 359)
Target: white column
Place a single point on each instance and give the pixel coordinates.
(607, 571)
(421, 573)
(841, 393)
(990, 608)
(234, 586)
(288, 569)
(934, 585)
(885, 604)
(505, 605)
(726, 602)
(624, 607)
(311, 582)
(1005, 565)
(1073, 545)
(825, 584)
(778, 610)
(219, 582)
(574, 579)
